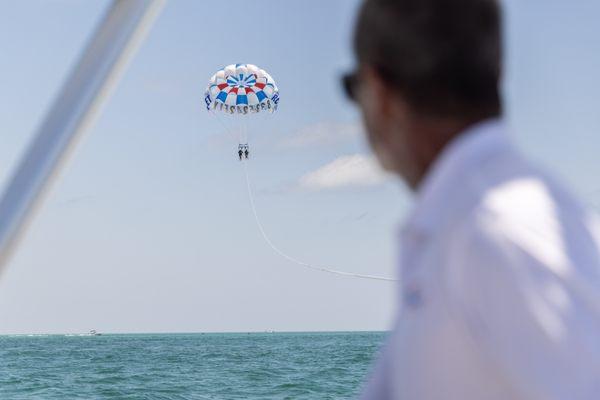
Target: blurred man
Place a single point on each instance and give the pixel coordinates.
(500, 265)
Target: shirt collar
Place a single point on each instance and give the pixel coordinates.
(459, 158)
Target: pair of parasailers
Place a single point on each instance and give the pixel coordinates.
(243, 152)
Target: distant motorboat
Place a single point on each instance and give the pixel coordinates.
(94, 333)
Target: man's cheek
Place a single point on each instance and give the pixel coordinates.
(384, 156)
(373, 135)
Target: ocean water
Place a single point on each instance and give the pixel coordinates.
(187, 366)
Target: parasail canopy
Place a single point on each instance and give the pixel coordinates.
(243, 89)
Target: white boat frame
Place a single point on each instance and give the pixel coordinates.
(78, 104)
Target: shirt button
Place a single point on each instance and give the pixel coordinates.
(413, 298)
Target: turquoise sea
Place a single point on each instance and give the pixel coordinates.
(186, 366)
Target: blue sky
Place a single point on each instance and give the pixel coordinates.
(150, 230)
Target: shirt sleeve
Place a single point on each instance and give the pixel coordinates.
(522, 314)
(377, 387)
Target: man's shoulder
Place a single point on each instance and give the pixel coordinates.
(522, 210)
(509, 191)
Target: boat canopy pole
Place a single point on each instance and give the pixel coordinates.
(74, 111)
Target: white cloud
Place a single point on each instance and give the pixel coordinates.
(323, 133)
(355, 170)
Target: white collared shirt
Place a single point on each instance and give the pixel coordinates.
(499, 283)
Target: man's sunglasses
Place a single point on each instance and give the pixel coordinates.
(350, 83)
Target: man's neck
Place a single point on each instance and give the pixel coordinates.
(430, 138)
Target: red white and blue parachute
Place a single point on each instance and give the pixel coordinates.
(243, 89)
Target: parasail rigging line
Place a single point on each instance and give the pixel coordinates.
(276, 249)
(228, 130)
